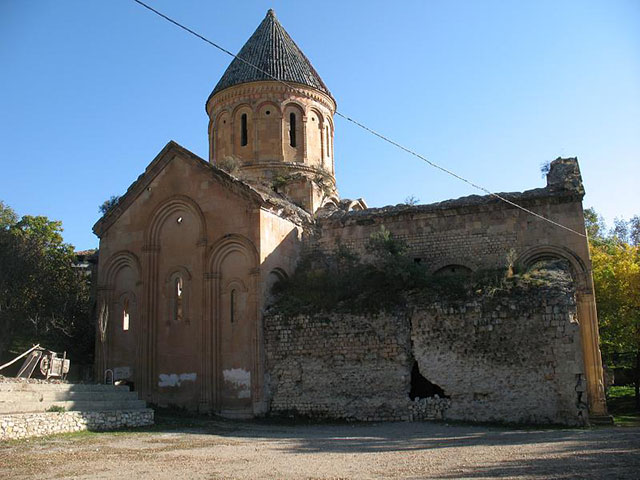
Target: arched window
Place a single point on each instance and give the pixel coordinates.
(232, 306)
(177, 294)
(243, 130)
(292, 129)
(125, 315)
(178, 299)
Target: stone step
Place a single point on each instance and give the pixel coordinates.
(85, 406)
(60, 387)
(52, 395)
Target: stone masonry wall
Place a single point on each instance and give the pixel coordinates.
(516, 357)
(474, 231)
(511, 356)
(23, 425)
(343, 366)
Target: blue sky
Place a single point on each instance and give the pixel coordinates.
(91, 91)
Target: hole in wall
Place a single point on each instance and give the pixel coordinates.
(421, 387)
(268, 112)
(179, 220)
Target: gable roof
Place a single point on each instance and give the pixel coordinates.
(265, 199)
(272, 50)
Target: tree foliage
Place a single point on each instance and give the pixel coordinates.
(43, 298)
(615, 256)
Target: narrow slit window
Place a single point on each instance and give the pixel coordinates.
(243, 128)
(179, 297)
(292, 129)
(125, 315)
(232, 306)
(327, 141)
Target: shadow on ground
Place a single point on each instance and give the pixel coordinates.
(560, 453)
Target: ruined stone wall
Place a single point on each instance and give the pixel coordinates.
(515, 357)
(343, 366)
(508, 356)
(474, 231)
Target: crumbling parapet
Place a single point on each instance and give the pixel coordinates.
(564, 174)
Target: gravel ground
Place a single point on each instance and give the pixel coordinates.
(217, 449)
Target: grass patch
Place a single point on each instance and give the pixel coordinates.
(56, 408)
(622, 405)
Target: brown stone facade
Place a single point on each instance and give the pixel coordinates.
(183, 261)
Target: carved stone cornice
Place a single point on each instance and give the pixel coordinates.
(259, 90)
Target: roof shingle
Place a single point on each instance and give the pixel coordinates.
(272, 50)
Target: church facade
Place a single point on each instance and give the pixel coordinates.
(189, 254)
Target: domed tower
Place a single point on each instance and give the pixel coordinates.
(271, 133)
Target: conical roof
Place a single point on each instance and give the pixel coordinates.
(272, 50)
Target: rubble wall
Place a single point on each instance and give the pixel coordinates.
(24, 425)
(343, 366)
(511, 356)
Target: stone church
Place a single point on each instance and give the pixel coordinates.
(189, 254)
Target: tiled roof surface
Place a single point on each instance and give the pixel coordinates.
(272, 50)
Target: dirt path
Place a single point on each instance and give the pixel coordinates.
(221, 450)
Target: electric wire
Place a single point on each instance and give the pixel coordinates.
(362, 126)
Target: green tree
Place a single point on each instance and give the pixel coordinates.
(616, 276)
(594, 225)
(43, 298)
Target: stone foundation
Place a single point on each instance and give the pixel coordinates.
(23, 425)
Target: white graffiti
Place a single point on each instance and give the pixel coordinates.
(120, 373)
(240, 380)
(175, 380)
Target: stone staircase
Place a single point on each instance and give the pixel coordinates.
(41, 397)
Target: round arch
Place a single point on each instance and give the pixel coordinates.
(269, 103)
(169, 207)
(228, 244)
(551, 252)
(442, 263)
(118, 261)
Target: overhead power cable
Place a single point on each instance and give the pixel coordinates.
(362, 126)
